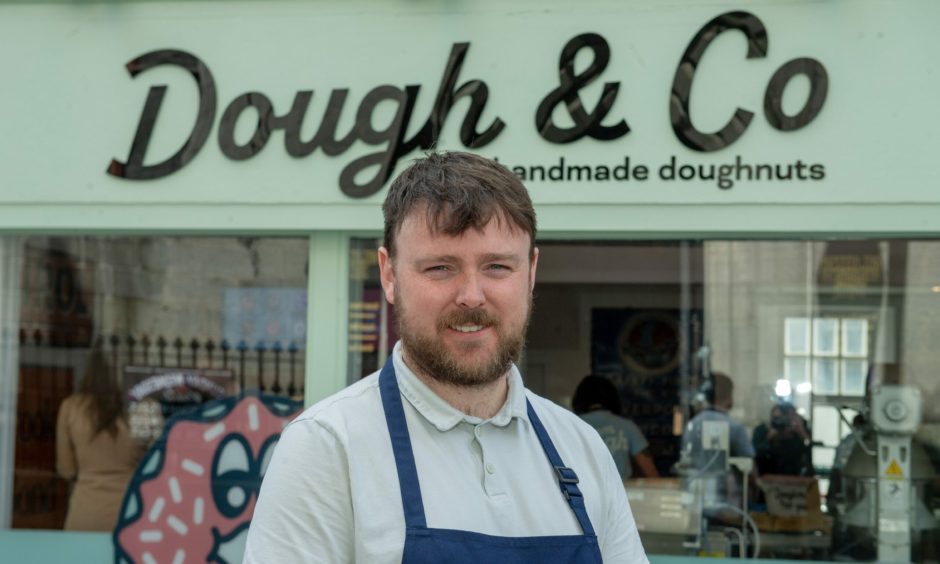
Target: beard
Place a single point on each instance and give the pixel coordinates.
(431, 356)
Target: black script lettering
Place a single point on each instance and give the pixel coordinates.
(447, 96)
(557, 172)
(230, 148)
(391, 134)
(818, 88)
(817, 171)
(134, 168)
(691, 137)
(325, 137)
(584, 123)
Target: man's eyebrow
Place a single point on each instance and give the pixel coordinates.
(436, 258)
(501, 257)
(489, 257)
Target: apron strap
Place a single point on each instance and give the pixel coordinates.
(567, 479)
(408, 473)
(401, 446)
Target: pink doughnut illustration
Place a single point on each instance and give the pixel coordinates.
(194, 492)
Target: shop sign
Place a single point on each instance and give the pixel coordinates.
(393, 142)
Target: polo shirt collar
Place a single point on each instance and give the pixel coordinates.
(444, 416)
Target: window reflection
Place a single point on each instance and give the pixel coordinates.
(808, 325)
(113, 336)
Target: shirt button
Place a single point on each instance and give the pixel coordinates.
(490, 468)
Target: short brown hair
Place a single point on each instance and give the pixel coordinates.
(459, 191)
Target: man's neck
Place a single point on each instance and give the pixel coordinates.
(483, 401)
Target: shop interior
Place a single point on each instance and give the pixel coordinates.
(831, 343)
(831, 338)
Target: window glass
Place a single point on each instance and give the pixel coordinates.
(825, 336)
(797, 335)
(110, 340)
(854, 337)
(803, 331)
(825, 377)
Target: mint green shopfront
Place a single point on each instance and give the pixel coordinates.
(744, 188)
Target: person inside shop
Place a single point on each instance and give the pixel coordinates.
(784, 446)
(597, 401)
(718, 393)
(95, 451)
(847, 445)
(443, 455)
(704, 469)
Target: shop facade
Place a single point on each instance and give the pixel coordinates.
(745, 189)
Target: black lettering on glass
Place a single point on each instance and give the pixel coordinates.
(134, 168)
(585, 124)
(818, 88)
(691, 137)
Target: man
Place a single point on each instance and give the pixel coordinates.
(719, 392)
(443, 456)
(718, 487)
(597, 401)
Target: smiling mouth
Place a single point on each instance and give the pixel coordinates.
(467, 328)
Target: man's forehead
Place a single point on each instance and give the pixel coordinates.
(421, 219)
(421, 239)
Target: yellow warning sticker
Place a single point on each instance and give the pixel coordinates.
(894, 470)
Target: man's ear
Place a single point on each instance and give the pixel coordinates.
(535, 263)
(387, 275)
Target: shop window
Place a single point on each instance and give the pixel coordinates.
(163, 324)
(829, 357)
(808, 323)
(838, 356)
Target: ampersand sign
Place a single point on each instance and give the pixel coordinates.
(584, 123)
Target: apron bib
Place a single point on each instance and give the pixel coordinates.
(434, 546)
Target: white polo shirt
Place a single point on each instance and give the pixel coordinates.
(331, 494)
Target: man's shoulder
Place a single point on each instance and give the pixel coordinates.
(350, 403)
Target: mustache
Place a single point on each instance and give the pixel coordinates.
(468, 317)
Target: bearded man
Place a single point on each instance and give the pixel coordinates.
(443, 455)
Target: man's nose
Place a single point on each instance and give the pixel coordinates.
(471, 295)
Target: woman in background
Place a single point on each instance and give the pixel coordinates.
(597, 401)
(94, 449)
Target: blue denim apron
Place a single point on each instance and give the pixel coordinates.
(434, 546)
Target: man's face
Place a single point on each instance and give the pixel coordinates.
(462, 302)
